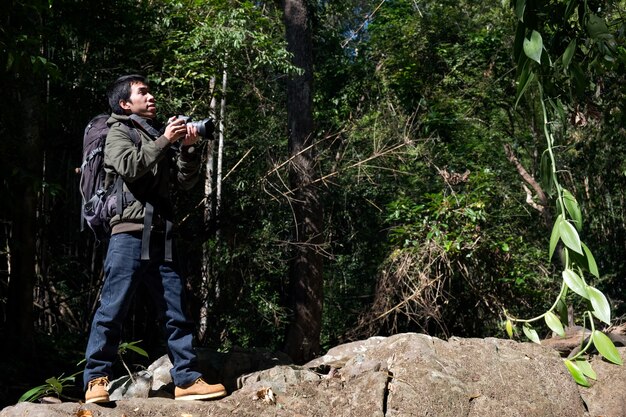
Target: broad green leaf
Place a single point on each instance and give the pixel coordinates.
(596, 27)
(571, 205)
(586, 368)
(525, 80)
(578, 375)
(531, 333)
(545, 172)
(601, 307)
(561, 307)
(575, 283)
(520, 6)
(554, 323)
(569, 236)
(509, 328)
(606, 347)
(569, 54)
(591, 262)
(534, 46)
(555, 236)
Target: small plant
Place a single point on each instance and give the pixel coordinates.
(126, 346)
(54, 386)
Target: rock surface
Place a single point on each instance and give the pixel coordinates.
(402, 375)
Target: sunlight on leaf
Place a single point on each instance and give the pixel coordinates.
(534, 46)
(606, 347)
(586, 368)
(569, 236)
(578, 375)
(601, 307)
(575, 283)
(554, 323)
(531, 333)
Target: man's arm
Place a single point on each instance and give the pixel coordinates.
(130, 161)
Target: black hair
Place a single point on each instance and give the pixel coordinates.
(121, 90)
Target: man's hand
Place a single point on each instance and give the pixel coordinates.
(175, 129)
(192, 135)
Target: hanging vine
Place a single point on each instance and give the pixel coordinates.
(557, 73)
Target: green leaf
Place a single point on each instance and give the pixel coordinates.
(531, 333)
(33, 393)
(575, 283)
(586, 368)
(556, 235)
(569, 54)
(509, 328)
(591, 262)
(138, 350)
(55, 384)
(520, 6)
(545, 171)
(534, 46)
(601, 307)
(571, 205)
(596, 27)
(606, 347)
(525, 80)
(578, 375)
(569, 236)
(571, 8)
(554, 323)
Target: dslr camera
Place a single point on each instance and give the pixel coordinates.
(205, 127)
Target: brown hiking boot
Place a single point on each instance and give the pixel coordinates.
(97, 390)
(199, 390)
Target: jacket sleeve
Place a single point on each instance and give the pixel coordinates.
(132, 162)
(188, 164)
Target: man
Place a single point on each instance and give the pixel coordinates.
(140, 245)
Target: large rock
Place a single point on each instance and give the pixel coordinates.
(403, 375)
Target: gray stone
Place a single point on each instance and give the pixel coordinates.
(402, 375)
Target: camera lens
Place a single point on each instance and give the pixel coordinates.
(205, 127)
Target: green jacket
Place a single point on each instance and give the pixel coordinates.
(147, 172)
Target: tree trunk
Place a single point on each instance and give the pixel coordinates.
(206, 286)
(305, 274)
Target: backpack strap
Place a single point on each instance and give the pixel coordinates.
(147, 228)
(149, 208)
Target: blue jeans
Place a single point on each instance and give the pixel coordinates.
(124, 271)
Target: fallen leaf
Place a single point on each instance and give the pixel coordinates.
(266, 395)
(84, 413)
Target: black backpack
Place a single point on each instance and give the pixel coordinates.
(97, 200)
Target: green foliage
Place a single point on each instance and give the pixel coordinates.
(580, 45)
(53, 386)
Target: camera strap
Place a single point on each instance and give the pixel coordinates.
(145, 126)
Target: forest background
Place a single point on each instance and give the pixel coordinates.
(376, 169)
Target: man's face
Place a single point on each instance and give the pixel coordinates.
(141, 102)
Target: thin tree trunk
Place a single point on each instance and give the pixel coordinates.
(208, 218)
(306, 281)
(220, 148)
